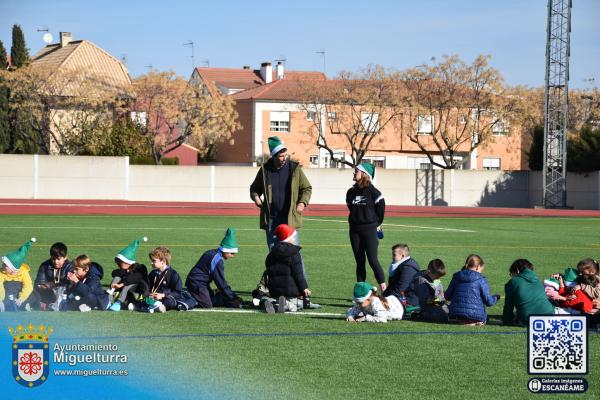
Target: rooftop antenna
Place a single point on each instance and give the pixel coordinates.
(281, 59)
(149, 66)
(124, 58)
(191, 44)
(206, 62)
(47, 36)
(322, 53)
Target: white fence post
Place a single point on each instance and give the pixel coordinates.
(212, 183)
(36, 175)
(126, 188)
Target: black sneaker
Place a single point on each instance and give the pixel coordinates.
(269, 307)
(281, 304)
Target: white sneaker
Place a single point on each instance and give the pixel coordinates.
(161, 307)
(131, 307)
(84, 308)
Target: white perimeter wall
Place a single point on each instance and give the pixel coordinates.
(112, 178)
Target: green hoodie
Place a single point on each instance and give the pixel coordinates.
(526, 293)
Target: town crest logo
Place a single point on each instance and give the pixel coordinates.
(30, 354)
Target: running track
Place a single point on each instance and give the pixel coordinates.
(122, 207)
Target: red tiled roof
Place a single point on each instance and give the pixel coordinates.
(239, 78)
(285, 90)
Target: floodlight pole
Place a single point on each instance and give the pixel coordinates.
(556, 104)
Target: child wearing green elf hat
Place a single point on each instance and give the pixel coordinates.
(370, 307)
(129, 279)
(15, 281)
(211, 268)
(570, 296)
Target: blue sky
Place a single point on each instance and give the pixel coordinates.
(396, 34)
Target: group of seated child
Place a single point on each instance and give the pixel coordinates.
(411, 293)
(419, 295)
(64, 285)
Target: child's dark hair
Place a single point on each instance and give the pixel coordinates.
(472, 261)
(588, 265)
(519, 266)
(592, 280)
(437, 267)
(58, 250)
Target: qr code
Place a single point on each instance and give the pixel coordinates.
(557, 344)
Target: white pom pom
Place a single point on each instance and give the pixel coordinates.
(374, 289)
(145, 239)
(33, 239)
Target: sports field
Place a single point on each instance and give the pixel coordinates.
(319, 354)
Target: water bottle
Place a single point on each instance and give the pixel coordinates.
(379, 233)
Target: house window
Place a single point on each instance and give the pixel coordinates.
(332, 115)
(140, 118)
(491, 164)
(370, 122)
(425, 124)
(311, 115)
(500, 128)
(280, 121)
(313, 161)
(337, 155)
(378, 162)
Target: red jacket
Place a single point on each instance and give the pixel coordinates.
(580, 303)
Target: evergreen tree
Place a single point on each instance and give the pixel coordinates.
(536, 151)
(19, 54)
(3, 59)
(583, 150)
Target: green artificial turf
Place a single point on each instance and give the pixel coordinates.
(296, 359)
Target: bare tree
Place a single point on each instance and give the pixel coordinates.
(177, 112)
(351, 111)
(453, 107)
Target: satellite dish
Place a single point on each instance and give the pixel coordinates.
(48, 38)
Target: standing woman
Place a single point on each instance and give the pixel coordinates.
(367, 209)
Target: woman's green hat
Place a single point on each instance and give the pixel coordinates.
(368, 169)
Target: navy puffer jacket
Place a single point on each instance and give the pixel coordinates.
(469, 294)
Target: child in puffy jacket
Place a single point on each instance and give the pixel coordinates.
(469, 293)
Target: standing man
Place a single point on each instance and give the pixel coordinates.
(285, 191)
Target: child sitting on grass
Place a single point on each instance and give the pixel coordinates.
(569, 296)
(129, 280)
(51, 281)
(84, 292)
(211, 268)
(285, 279)
(373, 308)
(589, 266)
(430, 292)
(469, 293)
(15, 282)
(164, 282)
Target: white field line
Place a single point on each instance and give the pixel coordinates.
(402, 226)
(234, 311)
(162, 228)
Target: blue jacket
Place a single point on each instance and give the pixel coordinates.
(469, 294)
(210, 268)
(167, 282)
(90, 291)
(54, 277)
(401, 281)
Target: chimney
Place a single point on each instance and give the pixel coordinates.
(65, 38)
(266, 72)
(246, 67)
(279, 70)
